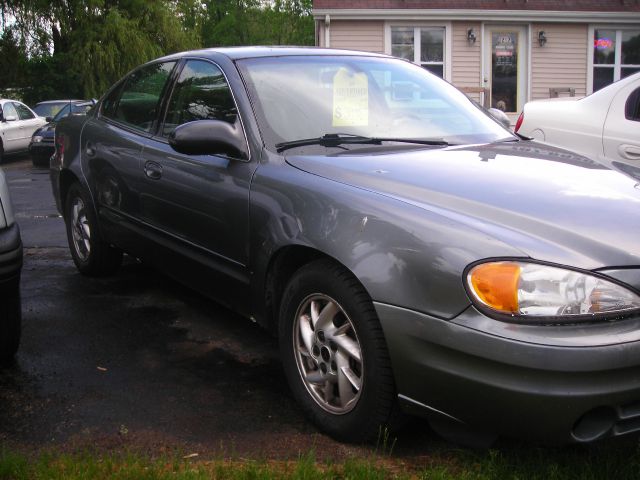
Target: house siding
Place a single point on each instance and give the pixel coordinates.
(561, 62)
(367, 36)
(465, 58)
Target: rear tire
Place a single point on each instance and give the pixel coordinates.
(335, 355)
(10, 322)
(92, 256)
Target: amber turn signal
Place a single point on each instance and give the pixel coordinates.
(496, 285)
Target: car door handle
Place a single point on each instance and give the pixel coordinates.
(90, 150)
(630, 152)
(153, 170)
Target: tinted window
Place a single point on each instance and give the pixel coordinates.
(8, 110)
(23, 112)
(201, 93)
(632, 107)
(136, 104)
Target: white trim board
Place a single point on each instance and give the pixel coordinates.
(425, 14)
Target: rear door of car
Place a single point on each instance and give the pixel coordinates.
(621, 138)
(200, 203)
(112, 144)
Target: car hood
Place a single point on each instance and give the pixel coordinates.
(548, 203)
(47, 130)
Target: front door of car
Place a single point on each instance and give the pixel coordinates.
(620, 139)
(29, 123)
(10, 128)
(112, 145)
(199, 202)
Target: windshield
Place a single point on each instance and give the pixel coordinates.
(48, 109)
(76, 109)
(308, 97)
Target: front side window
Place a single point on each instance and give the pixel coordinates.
(632, 106)
(201, 93)
(137, 102)
(424, 46)
(23, 112)
(616, 55)
(8, 110)
(308, 97)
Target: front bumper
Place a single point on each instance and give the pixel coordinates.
(554, 384)
(10, 254)
(41, 152)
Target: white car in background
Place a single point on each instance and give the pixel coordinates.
(604, 126)
(17, 124)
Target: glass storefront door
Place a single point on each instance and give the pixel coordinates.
(505, 67)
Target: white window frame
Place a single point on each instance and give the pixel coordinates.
(416, 42)
(617, 65)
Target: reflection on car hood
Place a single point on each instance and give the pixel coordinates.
(547, 202)
(47, 130)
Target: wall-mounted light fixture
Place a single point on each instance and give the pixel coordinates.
(542, 38)
(471, 36)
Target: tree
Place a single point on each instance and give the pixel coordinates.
(95, 42)
(78, 48)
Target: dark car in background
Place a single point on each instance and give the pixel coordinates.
(411, 254)
(49, 108)
(41, 146)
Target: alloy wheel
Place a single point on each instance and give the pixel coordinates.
(328, 354)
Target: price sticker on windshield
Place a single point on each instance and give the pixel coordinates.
(350, 99)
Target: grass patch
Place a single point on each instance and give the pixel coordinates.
(592, 463)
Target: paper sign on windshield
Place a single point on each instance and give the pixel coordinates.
(350, 99)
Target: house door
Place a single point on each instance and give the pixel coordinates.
(505, 64)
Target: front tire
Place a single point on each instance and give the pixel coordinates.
(92, 256)
(335, 355)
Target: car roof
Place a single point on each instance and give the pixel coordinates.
(237, 53)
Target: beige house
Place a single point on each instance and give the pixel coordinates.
(502, 52)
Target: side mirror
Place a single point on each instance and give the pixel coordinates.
(501, 117)
(10, 118)
(48, 119)
(209, 137)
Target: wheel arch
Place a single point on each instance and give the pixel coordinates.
(67, 178)
(282, 265)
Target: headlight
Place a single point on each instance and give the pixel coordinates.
(36, 138)
(532, 291)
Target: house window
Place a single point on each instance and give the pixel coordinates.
(421, 45)
(616, 54)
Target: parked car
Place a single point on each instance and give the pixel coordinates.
(10, 267)
(49, 108)
(604, 126)
(41, 146)
(410, 253)
(17, 124)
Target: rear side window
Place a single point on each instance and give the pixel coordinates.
(23, 112)
(137, 102)
(201, 93)
(632, 107)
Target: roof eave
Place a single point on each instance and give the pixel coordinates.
(550, 16)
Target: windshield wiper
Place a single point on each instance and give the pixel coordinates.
(337, 139)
